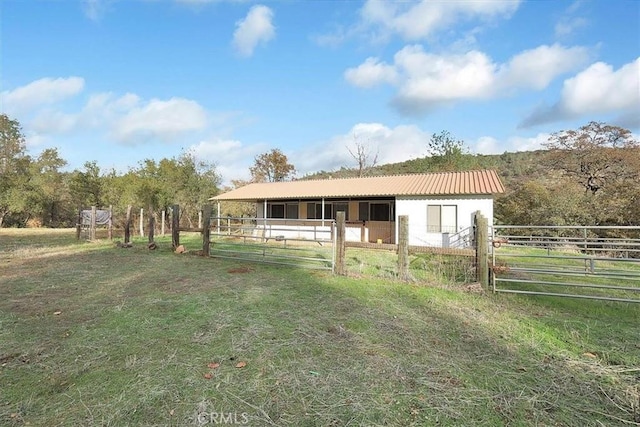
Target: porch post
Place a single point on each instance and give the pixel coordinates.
(323, 211)
(264, 220)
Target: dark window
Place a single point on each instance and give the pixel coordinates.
(363, 211)
(277, 211)
(380, 211)
(311, 210)
(292, 211)
(342, 207)
(328, 211)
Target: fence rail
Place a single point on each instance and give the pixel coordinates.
(578, 262)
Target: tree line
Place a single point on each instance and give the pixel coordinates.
(36, 191)
(587, 176)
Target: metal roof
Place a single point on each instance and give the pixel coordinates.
(426, 184)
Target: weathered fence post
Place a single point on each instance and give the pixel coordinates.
(206, 230)
(152, 224)
(127, 226)
(164, 217)
(141, 222)
(200, 219)
(340, 243)
(175, 226)
(92, 232)
(79, 224)
(110, 222)
(403, 247)
(482, 247)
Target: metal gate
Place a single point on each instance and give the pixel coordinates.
(581, 262)
(299, 243)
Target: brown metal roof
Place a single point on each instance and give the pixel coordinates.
(427, 184)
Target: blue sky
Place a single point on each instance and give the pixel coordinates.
(122, 81)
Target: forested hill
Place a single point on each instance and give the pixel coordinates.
(590, 176)
(513, 168)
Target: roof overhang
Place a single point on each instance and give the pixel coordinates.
(482, 182)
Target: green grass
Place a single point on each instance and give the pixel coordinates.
(91, 334)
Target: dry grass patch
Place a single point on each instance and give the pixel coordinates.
(138, 331)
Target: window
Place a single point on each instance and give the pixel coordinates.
(442, 218)
(276, 211)
(292, 211)
(380, 211)
(363, 211)
(311, 210)
(341, 207)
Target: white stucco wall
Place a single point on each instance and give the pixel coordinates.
(416, 209)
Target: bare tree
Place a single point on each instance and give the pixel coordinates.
(363, 156)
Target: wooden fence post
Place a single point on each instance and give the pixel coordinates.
(127, 226)
(175, 226)
(79, 224)
(482, 248)
(92, 231)
(340, 243)
(403, 247)
(152, 224)
(206, 230)
(110, 222)
(164, 216)
(141, 222)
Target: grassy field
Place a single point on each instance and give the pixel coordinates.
(92, 334)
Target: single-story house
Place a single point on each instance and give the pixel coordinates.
(440, 206)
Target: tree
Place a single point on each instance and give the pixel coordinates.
(49, 188)
(87, 186)
(447, 153)
(596, 155)
(272, 167)
(362, 155)
(14, 168)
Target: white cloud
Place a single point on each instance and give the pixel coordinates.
(255, 28)
(487, 145)
(418, 20)
(597, 90)
(569, 22)
(40, 92)
(491, 145)
(426, 80)
(160, 119)
(370, 73)
(391, 144)
(519, 143)
(126, 118)
(536, 68)
(231, 157)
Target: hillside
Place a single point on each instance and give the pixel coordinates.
(542, 189)
(514, 168)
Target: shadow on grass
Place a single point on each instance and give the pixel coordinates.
(126, 337)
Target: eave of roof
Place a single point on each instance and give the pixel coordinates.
(427, 184)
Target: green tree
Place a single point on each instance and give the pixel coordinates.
(50, 193)
(448, 153)
(272, 167)
(87, 186)
(14, 169)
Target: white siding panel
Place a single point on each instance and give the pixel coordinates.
(416, 209)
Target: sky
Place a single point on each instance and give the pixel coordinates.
(121, 81)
